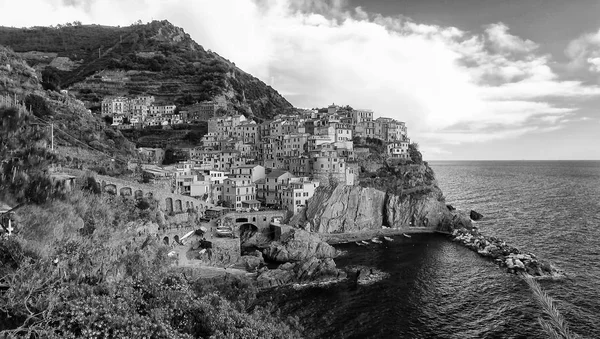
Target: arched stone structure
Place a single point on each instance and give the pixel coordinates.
(248, 227)
(169, 205)
(159, 195)
(125, 192)
(246, 231)
(178, 208)
(110, 189)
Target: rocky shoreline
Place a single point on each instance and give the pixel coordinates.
(514, 260)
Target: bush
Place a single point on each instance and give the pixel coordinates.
(38, 105)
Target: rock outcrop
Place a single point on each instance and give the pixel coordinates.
(352, 209)
(401, 196)
(311, 270)
(298, 245)
(343, 209)
(252, 261)
(475, 215)
(427, 210)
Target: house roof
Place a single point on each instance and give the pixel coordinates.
(246, 166)
(4, 207)
(276, 173)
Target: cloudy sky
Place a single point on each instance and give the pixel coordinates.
(473, 79)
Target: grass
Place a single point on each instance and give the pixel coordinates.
(554, 324)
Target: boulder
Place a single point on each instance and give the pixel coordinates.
(460, 219)
(251, 263)
(519, 264)
(450, 208)
(475, 215)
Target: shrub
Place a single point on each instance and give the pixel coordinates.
(38, 105)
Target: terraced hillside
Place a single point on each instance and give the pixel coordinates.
(157, 58)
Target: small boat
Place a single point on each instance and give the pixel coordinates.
(224, 232)
(406, 235)
(388, 239)
(359, 243)
(364, 242)
(375, 240)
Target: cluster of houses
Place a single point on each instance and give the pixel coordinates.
(278, 163)
(141, 111)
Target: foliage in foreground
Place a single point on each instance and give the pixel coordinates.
(554, 324)
(85, 269)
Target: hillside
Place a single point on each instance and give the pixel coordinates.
(30, 115)
(157, 58)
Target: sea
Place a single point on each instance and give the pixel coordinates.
(439, 289)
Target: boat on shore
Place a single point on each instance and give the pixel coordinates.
(364, 242)
(359, 243)
(388, 239)
(376, 241)
(406, 235)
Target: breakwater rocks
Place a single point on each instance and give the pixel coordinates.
(504, 255)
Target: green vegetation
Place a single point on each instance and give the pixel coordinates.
(415, 154)
(401, 179)
(184, 135)
(86, 266)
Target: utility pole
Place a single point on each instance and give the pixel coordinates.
(52, 134)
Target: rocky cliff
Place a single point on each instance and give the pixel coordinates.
(403, 197)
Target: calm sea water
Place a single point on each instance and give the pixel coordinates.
(437, 289)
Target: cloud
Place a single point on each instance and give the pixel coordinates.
(584, 52)
(503, 41)
(493, 84)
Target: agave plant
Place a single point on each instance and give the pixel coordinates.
(555, 324)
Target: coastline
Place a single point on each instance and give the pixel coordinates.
(342, 238)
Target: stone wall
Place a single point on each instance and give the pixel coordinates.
(168, 202)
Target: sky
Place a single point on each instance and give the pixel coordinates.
(472, 79)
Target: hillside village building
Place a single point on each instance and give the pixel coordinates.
(142, 111)
(277, 163)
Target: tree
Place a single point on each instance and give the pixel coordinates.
(173, 156)
(51, 79)
(415, 154)
(38, 105)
